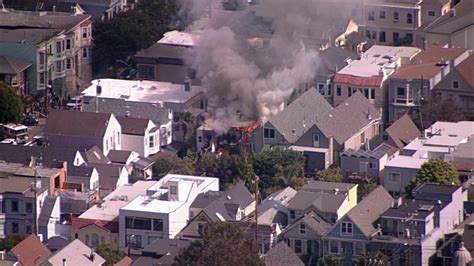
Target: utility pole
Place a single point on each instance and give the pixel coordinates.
(256, 213)
(34, 188)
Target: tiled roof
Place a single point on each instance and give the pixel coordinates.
(73, 123)
(358, 81)
(466, 69)
(111, 226)
(31, 251)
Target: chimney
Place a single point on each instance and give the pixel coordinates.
(187, 84)
(64, 261)
(54, 8)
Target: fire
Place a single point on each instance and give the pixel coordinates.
(250, 128)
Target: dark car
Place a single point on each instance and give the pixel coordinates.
(30, 121)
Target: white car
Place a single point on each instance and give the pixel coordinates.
(8, 141)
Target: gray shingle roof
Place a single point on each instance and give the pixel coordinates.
(376, 153)
(364, 214)
(116, 156)
(282, 255)
(315, 186)
(10, 65)
(325, 202)
(298, 117)
(403, 131)
(133, 125)
(73, 123)
(332, 59)
(348, 118)
(46, 210)
(240, 194)
(50, 156)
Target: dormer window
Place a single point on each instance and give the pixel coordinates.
(346, 228)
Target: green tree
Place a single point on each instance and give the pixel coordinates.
(110, 254)
(365, 188)
(374, 257)
(133, 30)
(223, 244)
(435, 171)
(278, 168)
(173, 164)
(437, 109)
(188, 124)
(332, 174)
(11, 105)
(10, 241)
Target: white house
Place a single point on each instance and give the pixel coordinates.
(140, 135)
(83, 130)
(162, 211)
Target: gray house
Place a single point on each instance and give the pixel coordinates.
(411, 229)
(309, 125)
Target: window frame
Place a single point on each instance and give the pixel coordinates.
(371, 15)
(346, 227)
(380, 14)
(302, 228)
(391, 175)
(269, 133)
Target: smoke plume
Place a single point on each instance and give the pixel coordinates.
(250, 61)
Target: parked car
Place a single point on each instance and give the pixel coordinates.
(8, 141)
(30, 121)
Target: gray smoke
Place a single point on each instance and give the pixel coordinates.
(250, 65)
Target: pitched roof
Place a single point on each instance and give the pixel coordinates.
(79, 171)
(133, 125)
(111, 226)
(76, 253)
(348, 118)
(458, 13)
(436, 53)
(316, 186)
(297, 117)
(116, 156)
(95, 155)
(282, 255)
(358, 81)
(332, 59)
(377, 153)
(325, 202)
(317, 224)
(240, 194)
(50, 156)
(46, 210)
(108, 174)
(73, 123)
(364, 214)
(10, 65)
(31, 251)
(403, 131)
(466, 68)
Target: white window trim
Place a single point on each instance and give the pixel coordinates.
(345, 233)
(269, 129)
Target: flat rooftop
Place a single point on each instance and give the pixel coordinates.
(179, 38)
(143, 91)
(120, 197)
(406, 162)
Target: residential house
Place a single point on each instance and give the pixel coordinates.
(161, 211)
(329, 61)
(99, 224)
(30, 251)
(454, 27)
(83, 130)
(351, 235)
(369, 73)
(370, 163)
(273, 210)
(330, 200)
(304, 235)
(87, 176)
(352, 40)
(167, 59)
(438, 141)
(58, 45)
(13, 73)
(429, 72)
(281, 255)
(233, 204)
(458, 85)
(462, 158)
(139, 135)
(410, 229)
(111, 176)
(49, 219)
(460, 237)
(77, 253)
(161, 252)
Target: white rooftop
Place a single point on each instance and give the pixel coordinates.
(142, 91)
(406, 162)
(376, 58)
(179, 38)
(120, 197)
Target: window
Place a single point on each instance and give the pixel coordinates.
(85, 52)
(269, 133)
(346, 228)
(409, 19)
(431, 13)
(371, 15)
(395, 17)
(173, 190)
(321, 89)
(394, 177)
(202, 228)
(146, 71)
(84, 33)
(315, 140)
(41, 58)
(158, 225)
(366, 93)
(59, 66)
(58, 47)
(138, 223)
(359, 248)
(68, 63)
(14, 206)
(334, 247)
(151, 141)
(382, 14)
(133, 240)
(298, 246)
(338, 90)
(409, 37)
(95, 240)
(106, 144)
(29, 207)
(372, 93)
(302, 228)
(455, 84)
(349, 91)
(29, 230)
(396, 36)
(15, 228)
(382, 36)
(400, 92)
(292, 214)
(372, 165)
(329, 90)
(68, 44)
